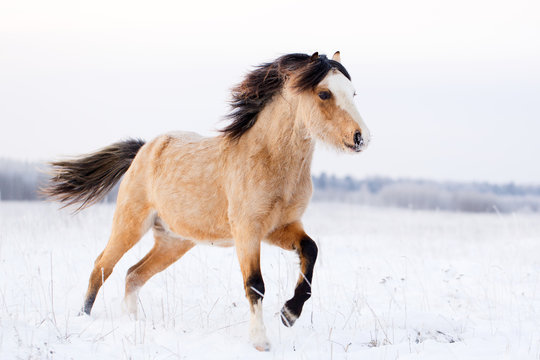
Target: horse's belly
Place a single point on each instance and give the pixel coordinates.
(196, 234)
(196, 215)
(219, 242)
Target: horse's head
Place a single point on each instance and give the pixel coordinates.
(327, 107)
(320, 87)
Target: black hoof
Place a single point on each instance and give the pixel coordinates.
(288, 318)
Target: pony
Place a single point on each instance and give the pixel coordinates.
(250, 183)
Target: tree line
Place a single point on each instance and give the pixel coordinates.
(20, 181)
(428, 195)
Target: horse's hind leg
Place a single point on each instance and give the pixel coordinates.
(293, 237)
(168, 248)
(131, 221)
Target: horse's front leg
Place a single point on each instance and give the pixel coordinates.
(248, 249)
(293, 237)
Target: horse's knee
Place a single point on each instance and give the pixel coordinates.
(308, 254)
(254, 287)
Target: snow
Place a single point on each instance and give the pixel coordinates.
(388, 284)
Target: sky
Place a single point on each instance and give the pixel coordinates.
(449, 89)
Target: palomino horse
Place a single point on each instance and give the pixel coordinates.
(250, 184)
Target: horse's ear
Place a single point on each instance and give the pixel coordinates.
(315, 56)
(336, 57)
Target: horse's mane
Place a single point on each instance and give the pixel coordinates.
(260, 85)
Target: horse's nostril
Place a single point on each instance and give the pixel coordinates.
(358, 141)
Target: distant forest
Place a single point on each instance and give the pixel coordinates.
(428, 195)
(20, 180)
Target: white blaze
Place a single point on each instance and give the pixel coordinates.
(343, 91)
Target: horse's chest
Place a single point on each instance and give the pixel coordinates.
(290, 204)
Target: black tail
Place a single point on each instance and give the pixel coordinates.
(87, 179)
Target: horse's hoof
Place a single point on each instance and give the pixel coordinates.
(287, 317)
(257, 337)
(264, 346)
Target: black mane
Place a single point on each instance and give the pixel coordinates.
(259, 86)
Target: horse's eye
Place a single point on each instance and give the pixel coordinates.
(324, 95)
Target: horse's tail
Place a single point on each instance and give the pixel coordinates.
(87, 179)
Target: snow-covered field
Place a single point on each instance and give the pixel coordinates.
(388, 284)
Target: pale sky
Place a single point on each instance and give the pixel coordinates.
(449, 89)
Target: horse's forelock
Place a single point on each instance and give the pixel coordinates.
(315, 71)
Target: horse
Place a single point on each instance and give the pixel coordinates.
(248, 184)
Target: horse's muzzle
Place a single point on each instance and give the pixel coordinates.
(358, 140)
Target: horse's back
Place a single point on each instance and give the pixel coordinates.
(185, 136)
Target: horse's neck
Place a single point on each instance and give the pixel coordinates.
(279, 129)
(281, 136)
